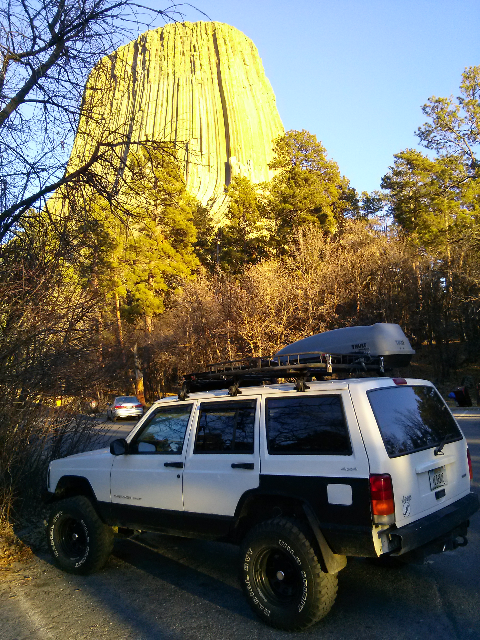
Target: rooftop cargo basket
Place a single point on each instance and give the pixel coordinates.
(371, 350)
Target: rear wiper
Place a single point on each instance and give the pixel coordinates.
(438, 449)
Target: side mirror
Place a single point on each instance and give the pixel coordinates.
(119, 447)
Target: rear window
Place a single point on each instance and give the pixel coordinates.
(303, 424)
(412, 418)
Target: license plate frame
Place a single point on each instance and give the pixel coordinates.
(437, 478)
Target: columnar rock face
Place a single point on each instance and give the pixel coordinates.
(199, 84)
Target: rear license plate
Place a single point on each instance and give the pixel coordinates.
(437, 478)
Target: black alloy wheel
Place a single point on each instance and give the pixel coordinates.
(279, 577)
(282, 577)
(73, 538)
(79, 540)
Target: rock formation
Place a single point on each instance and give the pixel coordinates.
(199, 84)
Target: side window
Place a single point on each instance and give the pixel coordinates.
(225, 427)
(164, 431)
(307, 425)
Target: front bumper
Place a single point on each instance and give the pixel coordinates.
(447, 522)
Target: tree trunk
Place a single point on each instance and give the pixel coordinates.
(119, 328)
(139, 389)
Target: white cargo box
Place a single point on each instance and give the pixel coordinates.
(378, 340)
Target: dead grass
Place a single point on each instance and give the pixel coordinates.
(12, 549)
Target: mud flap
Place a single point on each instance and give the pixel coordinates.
(332, 562)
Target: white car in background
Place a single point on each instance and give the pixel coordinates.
(125, 407)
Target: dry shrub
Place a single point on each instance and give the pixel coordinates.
(31, 435)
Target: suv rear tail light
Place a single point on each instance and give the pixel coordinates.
(381, 494)
(469, 459)
(119, 406)
(138, 406)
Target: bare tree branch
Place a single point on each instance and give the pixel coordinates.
(47, 50)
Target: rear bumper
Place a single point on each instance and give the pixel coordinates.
(437, 526)
(128, 413)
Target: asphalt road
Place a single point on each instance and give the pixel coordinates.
(159, 587)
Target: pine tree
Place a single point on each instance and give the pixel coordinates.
(308, 187)
(142, 260)
(432, 199)
(454, 127)
(244, 239)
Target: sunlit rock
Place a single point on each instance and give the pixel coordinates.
(199, 84)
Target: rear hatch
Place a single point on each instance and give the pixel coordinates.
(425, 449)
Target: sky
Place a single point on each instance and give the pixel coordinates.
(355, 72)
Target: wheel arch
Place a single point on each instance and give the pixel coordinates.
(255, 507)
(71, 485)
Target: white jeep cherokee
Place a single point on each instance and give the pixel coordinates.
(300, 475)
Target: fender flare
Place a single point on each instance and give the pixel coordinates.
(70, 481)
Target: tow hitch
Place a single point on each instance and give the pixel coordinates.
(454, 543)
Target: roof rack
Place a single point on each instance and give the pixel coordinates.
(301, 367)
(357, 350)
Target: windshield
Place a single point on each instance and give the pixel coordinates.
(412, 418)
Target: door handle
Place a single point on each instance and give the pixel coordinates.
(243, 465)
(177, 465)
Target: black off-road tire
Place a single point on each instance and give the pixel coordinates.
(282, 577)
(79, 541)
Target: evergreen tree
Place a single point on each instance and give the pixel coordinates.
(308, 187)
(244, 239)
(433, 200)
(142, 260)
(371, 204)
(158, 245)
(436, 201)
(454, 127)
(205, 244)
